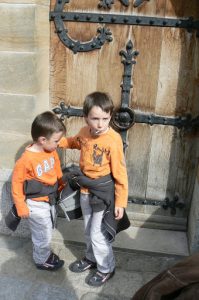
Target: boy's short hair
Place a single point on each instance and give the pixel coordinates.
(45, 124)
(103, 100)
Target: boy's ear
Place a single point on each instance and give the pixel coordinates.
(42, 139)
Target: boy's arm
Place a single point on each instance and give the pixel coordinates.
(18, 195)
(59, 173)
(69, 143)
(119, 172)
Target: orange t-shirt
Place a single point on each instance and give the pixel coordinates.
(42, 166)
(100, 156)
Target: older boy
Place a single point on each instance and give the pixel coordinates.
(101, 155)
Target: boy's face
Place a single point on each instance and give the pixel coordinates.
(98, 120)
(51, 143)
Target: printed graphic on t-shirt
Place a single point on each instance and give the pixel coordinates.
(95, 152)
(98, 154)
(45, 166)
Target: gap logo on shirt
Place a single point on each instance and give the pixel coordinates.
(45, 167)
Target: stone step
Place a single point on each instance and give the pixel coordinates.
(133, 239)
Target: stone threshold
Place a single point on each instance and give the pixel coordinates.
(133, 239)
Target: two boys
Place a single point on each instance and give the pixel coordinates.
(101, 155)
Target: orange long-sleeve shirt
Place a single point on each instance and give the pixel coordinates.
(42, 166)
(100, 156)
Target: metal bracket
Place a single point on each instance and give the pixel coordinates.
(186, 23)
(123, 118)
(174, 204)
(68, 111)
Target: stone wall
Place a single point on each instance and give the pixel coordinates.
(24, 83)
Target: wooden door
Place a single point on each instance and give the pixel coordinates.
(161, 159)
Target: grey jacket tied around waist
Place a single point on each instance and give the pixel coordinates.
(102, 191)
(34, 189)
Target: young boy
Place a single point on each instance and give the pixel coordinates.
(35, 180)
(101, 155)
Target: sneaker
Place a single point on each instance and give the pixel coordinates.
(82, 265)
(53, 263)
(100, 278)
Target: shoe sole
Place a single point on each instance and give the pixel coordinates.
(97, 284)
(81, 270)
(49, 268)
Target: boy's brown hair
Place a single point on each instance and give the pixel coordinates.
(102, 100)
(45, 124)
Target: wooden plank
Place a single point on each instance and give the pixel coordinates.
(158, 170)
(57, 69)
(137, 157)
(181, 8)
(110, 68)
(146, 71)
(152, 8)
(168, 72)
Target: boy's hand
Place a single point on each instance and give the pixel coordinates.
(119, 211)
(24, 216)
(23, 211)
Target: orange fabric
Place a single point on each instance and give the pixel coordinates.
(42, 166)
(100, 156)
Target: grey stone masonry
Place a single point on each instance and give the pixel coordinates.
(24, 76)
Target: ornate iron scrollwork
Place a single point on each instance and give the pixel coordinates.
(58, 16)
(124, 117)
(128, 62)
(104, 34)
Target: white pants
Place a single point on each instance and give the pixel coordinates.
(40, 224)
(98, 249)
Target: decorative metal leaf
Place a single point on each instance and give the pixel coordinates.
(125, 2)
(138, 2)
(105, 3)
(109, 3)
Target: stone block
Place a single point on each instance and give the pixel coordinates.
(18, 73)
(17, 26)
(11, 147)
(38, 2)
(17, 113)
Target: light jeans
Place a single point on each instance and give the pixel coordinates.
(40, 224)
(98, 249)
